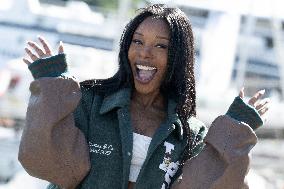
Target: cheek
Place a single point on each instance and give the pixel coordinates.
(131, 55)
(163, 63)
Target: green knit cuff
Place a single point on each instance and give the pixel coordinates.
(243, 112)
(52, 186)
(53, 66)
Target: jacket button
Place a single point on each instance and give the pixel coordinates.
(128, 153)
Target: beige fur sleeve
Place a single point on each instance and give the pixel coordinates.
(51, 147)
(224, 161)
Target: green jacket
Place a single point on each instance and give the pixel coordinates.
(110, 137)
(88, 137)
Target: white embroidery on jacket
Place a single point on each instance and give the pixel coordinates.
(104, 149)
(168, 166)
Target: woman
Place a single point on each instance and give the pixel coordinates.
(137, 129)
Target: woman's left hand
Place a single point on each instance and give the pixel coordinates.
(261, 105)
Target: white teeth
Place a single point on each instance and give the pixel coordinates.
(141, 67)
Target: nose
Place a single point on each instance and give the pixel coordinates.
(146, 52)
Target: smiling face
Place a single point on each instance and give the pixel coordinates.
(148, 55)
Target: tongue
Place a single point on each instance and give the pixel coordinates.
(146, 75)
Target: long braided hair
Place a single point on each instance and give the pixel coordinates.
(179, 82)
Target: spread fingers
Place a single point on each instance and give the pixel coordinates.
(31, 54)
(262, 103)
(256, 97)
(263, 110)
(26, 61)
(37, 49)
(45, 46)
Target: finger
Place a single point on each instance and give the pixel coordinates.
(45, 46)
(60, 48)
(31, 54)
(263, 110)
(262, 103)
(256, 97)
(27, 61)
(242, 93)
(36, 48)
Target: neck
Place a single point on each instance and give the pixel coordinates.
(152, 100)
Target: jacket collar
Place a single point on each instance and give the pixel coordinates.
(118, 99)
(121, 99)
(174, 119)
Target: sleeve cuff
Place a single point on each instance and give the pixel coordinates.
(230, 138)
(52, 186)
(53, 66)
(243, 112)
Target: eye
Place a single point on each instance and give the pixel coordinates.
(163, 46)
(137, 41)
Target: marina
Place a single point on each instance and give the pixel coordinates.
(235, 47)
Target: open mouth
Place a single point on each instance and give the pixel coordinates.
(145, 74)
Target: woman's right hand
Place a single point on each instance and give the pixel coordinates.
(41, 51)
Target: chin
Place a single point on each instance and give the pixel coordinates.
(144, 88)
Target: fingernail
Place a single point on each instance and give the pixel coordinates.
(262, 91)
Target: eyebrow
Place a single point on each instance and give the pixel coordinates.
(161, 37)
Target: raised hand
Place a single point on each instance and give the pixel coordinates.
(36, 51)
(261, 105)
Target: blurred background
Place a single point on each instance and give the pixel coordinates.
(238, 43)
